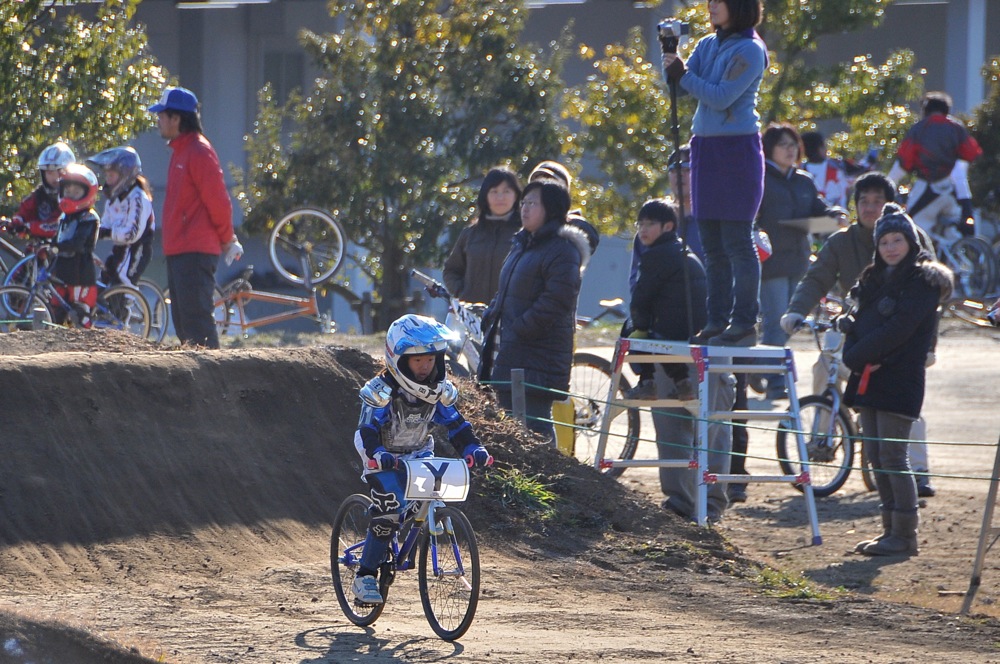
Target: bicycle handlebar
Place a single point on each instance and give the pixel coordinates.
(434, 287)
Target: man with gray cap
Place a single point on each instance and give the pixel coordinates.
(197, 218)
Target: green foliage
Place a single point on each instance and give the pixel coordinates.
(415, 100)
(85, 81)
(623, 110)
(518, 491)
(984, 174)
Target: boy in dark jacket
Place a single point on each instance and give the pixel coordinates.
(668, 276)
(75, 240)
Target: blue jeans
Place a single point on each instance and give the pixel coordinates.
(775, 294)
(733, 273)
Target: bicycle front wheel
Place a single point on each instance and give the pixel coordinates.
(17, 309)
(449, 574)
(158, 309)
(306, 242)
(347, 544)
(124, 308)
(975, 267)
(589, 384)
(829, 442)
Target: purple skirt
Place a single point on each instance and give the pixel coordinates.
(727, 177)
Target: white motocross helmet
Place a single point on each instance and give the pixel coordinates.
(418, 335)
(54, 158)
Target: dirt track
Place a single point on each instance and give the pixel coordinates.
(178, 503)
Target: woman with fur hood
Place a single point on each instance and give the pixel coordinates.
(889, 334)
(532, 319)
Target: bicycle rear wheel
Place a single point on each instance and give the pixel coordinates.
(17, 309)
(347, 544)
(308, 235)
(867, 474)
(449, 574)
(221, 312)
(589, 384)
(831, 451)
(158, 309)
(123, 308)
(975, 267)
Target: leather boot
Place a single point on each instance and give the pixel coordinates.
(901, 541)
(886, 529)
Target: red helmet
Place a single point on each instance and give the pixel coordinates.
(84, 177)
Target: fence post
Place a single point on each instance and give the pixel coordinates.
(38, 318)
(517, 395)
(365, 313)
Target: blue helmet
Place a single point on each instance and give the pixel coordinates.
(418, 335)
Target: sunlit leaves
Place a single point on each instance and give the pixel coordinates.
(86, 81)
(415, 102)
(984, 175)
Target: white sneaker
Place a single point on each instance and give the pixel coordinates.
(366, 590)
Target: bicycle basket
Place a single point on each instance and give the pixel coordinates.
(437, 478)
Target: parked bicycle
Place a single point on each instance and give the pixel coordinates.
(972, 260)
(310, 233)
(118, 307)
(830, 428)
(589, 385)
(434, 537)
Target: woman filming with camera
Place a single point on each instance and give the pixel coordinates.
(727, 164)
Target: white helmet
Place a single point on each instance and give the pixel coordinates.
(418, 335)
(56, 156)
(124, 161)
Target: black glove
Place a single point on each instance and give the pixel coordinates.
(103, 233)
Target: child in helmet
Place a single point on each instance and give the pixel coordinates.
(128, 215)
(397, 409)
(75, 240)
(38, 214)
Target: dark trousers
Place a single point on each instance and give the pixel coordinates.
(537, 407)
(191, 280)
(741, 437)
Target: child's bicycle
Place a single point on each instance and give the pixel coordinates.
(590, 377)
(118, 307)
(830, 428)
(435, 537)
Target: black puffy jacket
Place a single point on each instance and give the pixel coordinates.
(659, 302)
(894, 327)
(536, 305)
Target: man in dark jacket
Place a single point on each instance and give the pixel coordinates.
(669, 278)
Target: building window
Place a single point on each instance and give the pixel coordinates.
(284, 71)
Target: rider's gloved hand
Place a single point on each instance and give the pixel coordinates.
(103, 233)
(233, 251)
(16, 226)
(381, 460)
(791, 322)
(476, 455)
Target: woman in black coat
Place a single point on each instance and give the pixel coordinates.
(532, 319)
(888, 338)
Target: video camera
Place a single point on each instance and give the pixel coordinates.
(670, 31)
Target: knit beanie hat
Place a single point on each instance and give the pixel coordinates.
(553, 170)
(894, 220)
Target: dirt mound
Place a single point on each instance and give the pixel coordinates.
(124, 460)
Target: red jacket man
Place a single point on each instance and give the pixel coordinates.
(197, 218)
